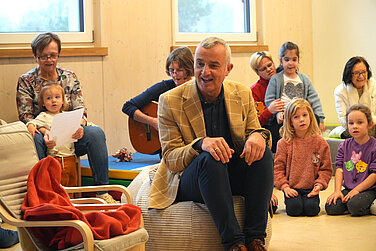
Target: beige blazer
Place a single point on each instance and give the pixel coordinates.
(181, 124)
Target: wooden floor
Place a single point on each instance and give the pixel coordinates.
(320, 233)
(323, 232)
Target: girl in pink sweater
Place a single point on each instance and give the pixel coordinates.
(302, 166)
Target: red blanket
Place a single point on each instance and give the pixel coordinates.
(46, 199)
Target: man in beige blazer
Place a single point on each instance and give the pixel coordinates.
(213, 147)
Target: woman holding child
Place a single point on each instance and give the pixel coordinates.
(262, 63)
(46, 48)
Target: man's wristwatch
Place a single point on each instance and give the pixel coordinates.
(265, 135)
(83, 126)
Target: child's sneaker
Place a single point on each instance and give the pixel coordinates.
(107, 198)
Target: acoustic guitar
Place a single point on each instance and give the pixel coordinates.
(144, 138)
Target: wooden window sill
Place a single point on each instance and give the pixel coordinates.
(65, 52)
(234, 48)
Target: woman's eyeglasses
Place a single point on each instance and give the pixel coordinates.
(357, 74)
(178, 71)
(46, 57)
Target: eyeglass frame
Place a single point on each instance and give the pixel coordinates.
(178, 71)
(357, 74)
(45, 58)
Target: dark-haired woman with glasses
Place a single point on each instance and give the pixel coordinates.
(91, 140)
(179, 65)
(357, 87)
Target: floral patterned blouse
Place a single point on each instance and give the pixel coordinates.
(29, 86)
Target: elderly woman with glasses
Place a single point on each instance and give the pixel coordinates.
(357, 87)
(179, 65)
(262, 63)
(91, 140)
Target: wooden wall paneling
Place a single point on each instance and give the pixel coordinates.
(10, 70)
(138, 36)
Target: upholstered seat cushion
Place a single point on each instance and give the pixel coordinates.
(17, 156)
(186, 225)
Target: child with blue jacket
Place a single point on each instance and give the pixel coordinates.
(288, 83)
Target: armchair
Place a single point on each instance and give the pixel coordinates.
(17, 157)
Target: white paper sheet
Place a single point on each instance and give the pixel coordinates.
(64, 125)
(140, 168)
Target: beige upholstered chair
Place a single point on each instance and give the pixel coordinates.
(17, 157)
(183, 225)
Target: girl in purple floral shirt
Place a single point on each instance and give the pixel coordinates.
(356, 167)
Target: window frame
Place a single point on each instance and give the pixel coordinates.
(68, 37)
(179, 37)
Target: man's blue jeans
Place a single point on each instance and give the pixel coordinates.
(208, 181)
(93, 143)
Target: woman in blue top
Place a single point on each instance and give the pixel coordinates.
(179, 65)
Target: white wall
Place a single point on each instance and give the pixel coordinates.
(341, 29)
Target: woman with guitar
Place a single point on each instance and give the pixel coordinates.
(142, 109)
(262, 63)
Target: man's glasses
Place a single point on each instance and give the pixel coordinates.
(357, 74)
(178, 71)
(46, 57)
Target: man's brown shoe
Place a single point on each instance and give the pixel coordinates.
(256, 245)
(238, 247)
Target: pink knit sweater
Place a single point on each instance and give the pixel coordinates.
(302, 163)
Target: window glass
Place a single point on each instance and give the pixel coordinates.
(212, 16)
(21, 20)
(21, 16)
(233, 20)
